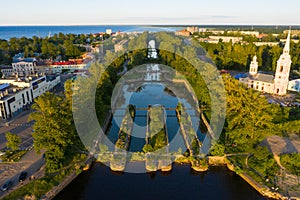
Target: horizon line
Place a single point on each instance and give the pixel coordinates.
(146, 24)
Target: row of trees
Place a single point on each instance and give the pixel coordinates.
(238, 56)
(57, 45)
(291, 163)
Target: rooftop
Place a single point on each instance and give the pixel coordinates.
(279, 145)
(262, 77)
(77, 62)
(29, 60)
(9, 90)
(4, 86)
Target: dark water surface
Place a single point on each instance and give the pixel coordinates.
(100, 183)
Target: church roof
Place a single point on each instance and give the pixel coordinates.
(268, 78)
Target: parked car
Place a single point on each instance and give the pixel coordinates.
(6, 185)
(22, 176)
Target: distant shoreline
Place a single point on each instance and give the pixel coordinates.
(158, 25)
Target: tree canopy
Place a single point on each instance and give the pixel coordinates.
(54, 130)
(13, 141)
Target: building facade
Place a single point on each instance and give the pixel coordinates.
(294, 85)
(24, 66)
(227, 39)
(184, 33)
(17, 94)
(268, 83)
(71, 66)
(7, 71)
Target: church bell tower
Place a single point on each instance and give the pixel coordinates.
(253, 66)
(282, 74)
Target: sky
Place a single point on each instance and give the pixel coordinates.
(147, 12)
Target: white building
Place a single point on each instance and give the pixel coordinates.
(227, 38)
(71, 66)
(252, 33)
(24, 66)
(268, 83)
(7, 71)
(272, 44)
(193, 29)
(17, 94)
(108, 31)
(294, 85)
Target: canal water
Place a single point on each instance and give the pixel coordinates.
(151, 94)
(181, 183)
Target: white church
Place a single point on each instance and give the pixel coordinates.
(268, 83)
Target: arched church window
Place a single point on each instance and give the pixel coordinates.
(281, 68)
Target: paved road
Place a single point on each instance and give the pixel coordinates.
(31, 163)
(21, 127)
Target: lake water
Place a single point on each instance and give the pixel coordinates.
(181, 183)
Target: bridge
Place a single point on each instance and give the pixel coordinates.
(137, 109)
(146, 109)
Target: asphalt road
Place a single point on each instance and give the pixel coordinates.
(32, 163)
(19, 126)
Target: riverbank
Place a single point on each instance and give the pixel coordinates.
(261, 188)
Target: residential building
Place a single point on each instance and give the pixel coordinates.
(294, 85)
(13, 100)
(208, 40)
(108, 31)
(216, 32)
(266, 43)
(71, 66)
(193, 29)
(226, 39)
(292, 40)
(293, 32)
(17, 94)
(7, 71)
(268, 83)
(183, 33)
(24, 66)
(252, 33)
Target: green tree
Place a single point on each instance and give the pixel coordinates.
(147, 148)
(217, 149)
(103, 148)
(249, 116)
(54, 130)
(13, 141)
